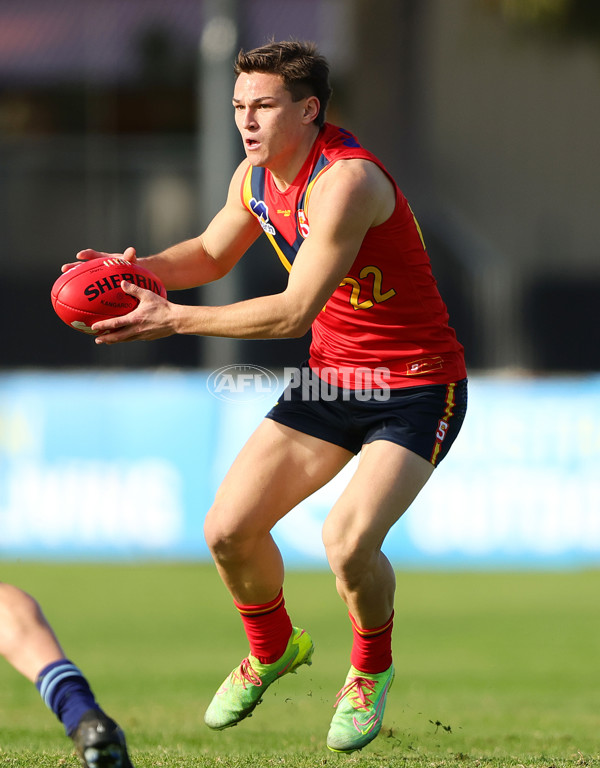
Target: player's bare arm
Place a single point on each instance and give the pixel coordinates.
(201, 259)
(216, 251)
(351, 197)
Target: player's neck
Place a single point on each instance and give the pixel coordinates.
(284, 173)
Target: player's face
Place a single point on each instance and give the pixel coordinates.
(272, 126)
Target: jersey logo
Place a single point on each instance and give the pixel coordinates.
(261, 211)
(303, 227)
(424, 365)
(349, 140)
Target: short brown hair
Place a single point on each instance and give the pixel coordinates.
(301, 67)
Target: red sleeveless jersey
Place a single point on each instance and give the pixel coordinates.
(387, 312)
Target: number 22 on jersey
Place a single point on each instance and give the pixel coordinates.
(366, 293)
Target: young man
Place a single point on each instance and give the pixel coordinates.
(386, 375)
(28, 643)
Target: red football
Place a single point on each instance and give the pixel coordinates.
(91, 291)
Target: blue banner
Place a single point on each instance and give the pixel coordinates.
(125, 466)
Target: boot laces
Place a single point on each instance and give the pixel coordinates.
(359, 690)
(246, 673)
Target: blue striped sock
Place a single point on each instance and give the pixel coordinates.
(66, 692)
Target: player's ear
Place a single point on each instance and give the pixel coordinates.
(312, 106)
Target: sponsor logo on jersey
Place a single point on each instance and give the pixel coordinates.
(424, 365)
(261, 210)
(349, 140)
(303, 227)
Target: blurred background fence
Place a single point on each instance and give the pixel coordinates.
(115, 130)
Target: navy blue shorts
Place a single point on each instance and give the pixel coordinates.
(424, 419)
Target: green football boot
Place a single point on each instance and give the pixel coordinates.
(245, 686)
(359, 710)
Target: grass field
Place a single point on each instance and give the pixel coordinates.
(492, 669)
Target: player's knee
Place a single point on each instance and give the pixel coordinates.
(349, 556)
(19, 613)
(226, 537)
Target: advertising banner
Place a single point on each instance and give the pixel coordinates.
(125, 466)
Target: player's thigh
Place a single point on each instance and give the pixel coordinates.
(386, 481)
(276, 469)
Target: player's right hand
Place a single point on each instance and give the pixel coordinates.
(89, 253)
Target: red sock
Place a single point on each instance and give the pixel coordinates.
(372, 648)
(268, 628)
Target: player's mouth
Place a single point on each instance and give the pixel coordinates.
(252, 144)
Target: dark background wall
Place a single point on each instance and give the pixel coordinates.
(488, 117)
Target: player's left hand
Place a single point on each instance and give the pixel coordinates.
(153, 318)
(88, 254)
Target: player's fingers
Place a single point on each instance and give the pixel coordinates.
(109, 338)
(90, 253)
(141, 294)
(106, 330)
(86, 255)
(130, 288)
(129, 254)
(134, 290)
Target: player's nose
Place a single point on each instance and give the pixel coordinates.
(250, 118)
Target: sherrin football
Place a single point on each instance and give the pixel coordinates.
(91, 291)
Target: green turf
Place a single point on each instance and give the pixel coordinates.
(492, 669)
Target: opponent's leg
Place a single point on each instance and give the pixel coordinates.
(29, 644)
(27, 641)
(387, 480)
